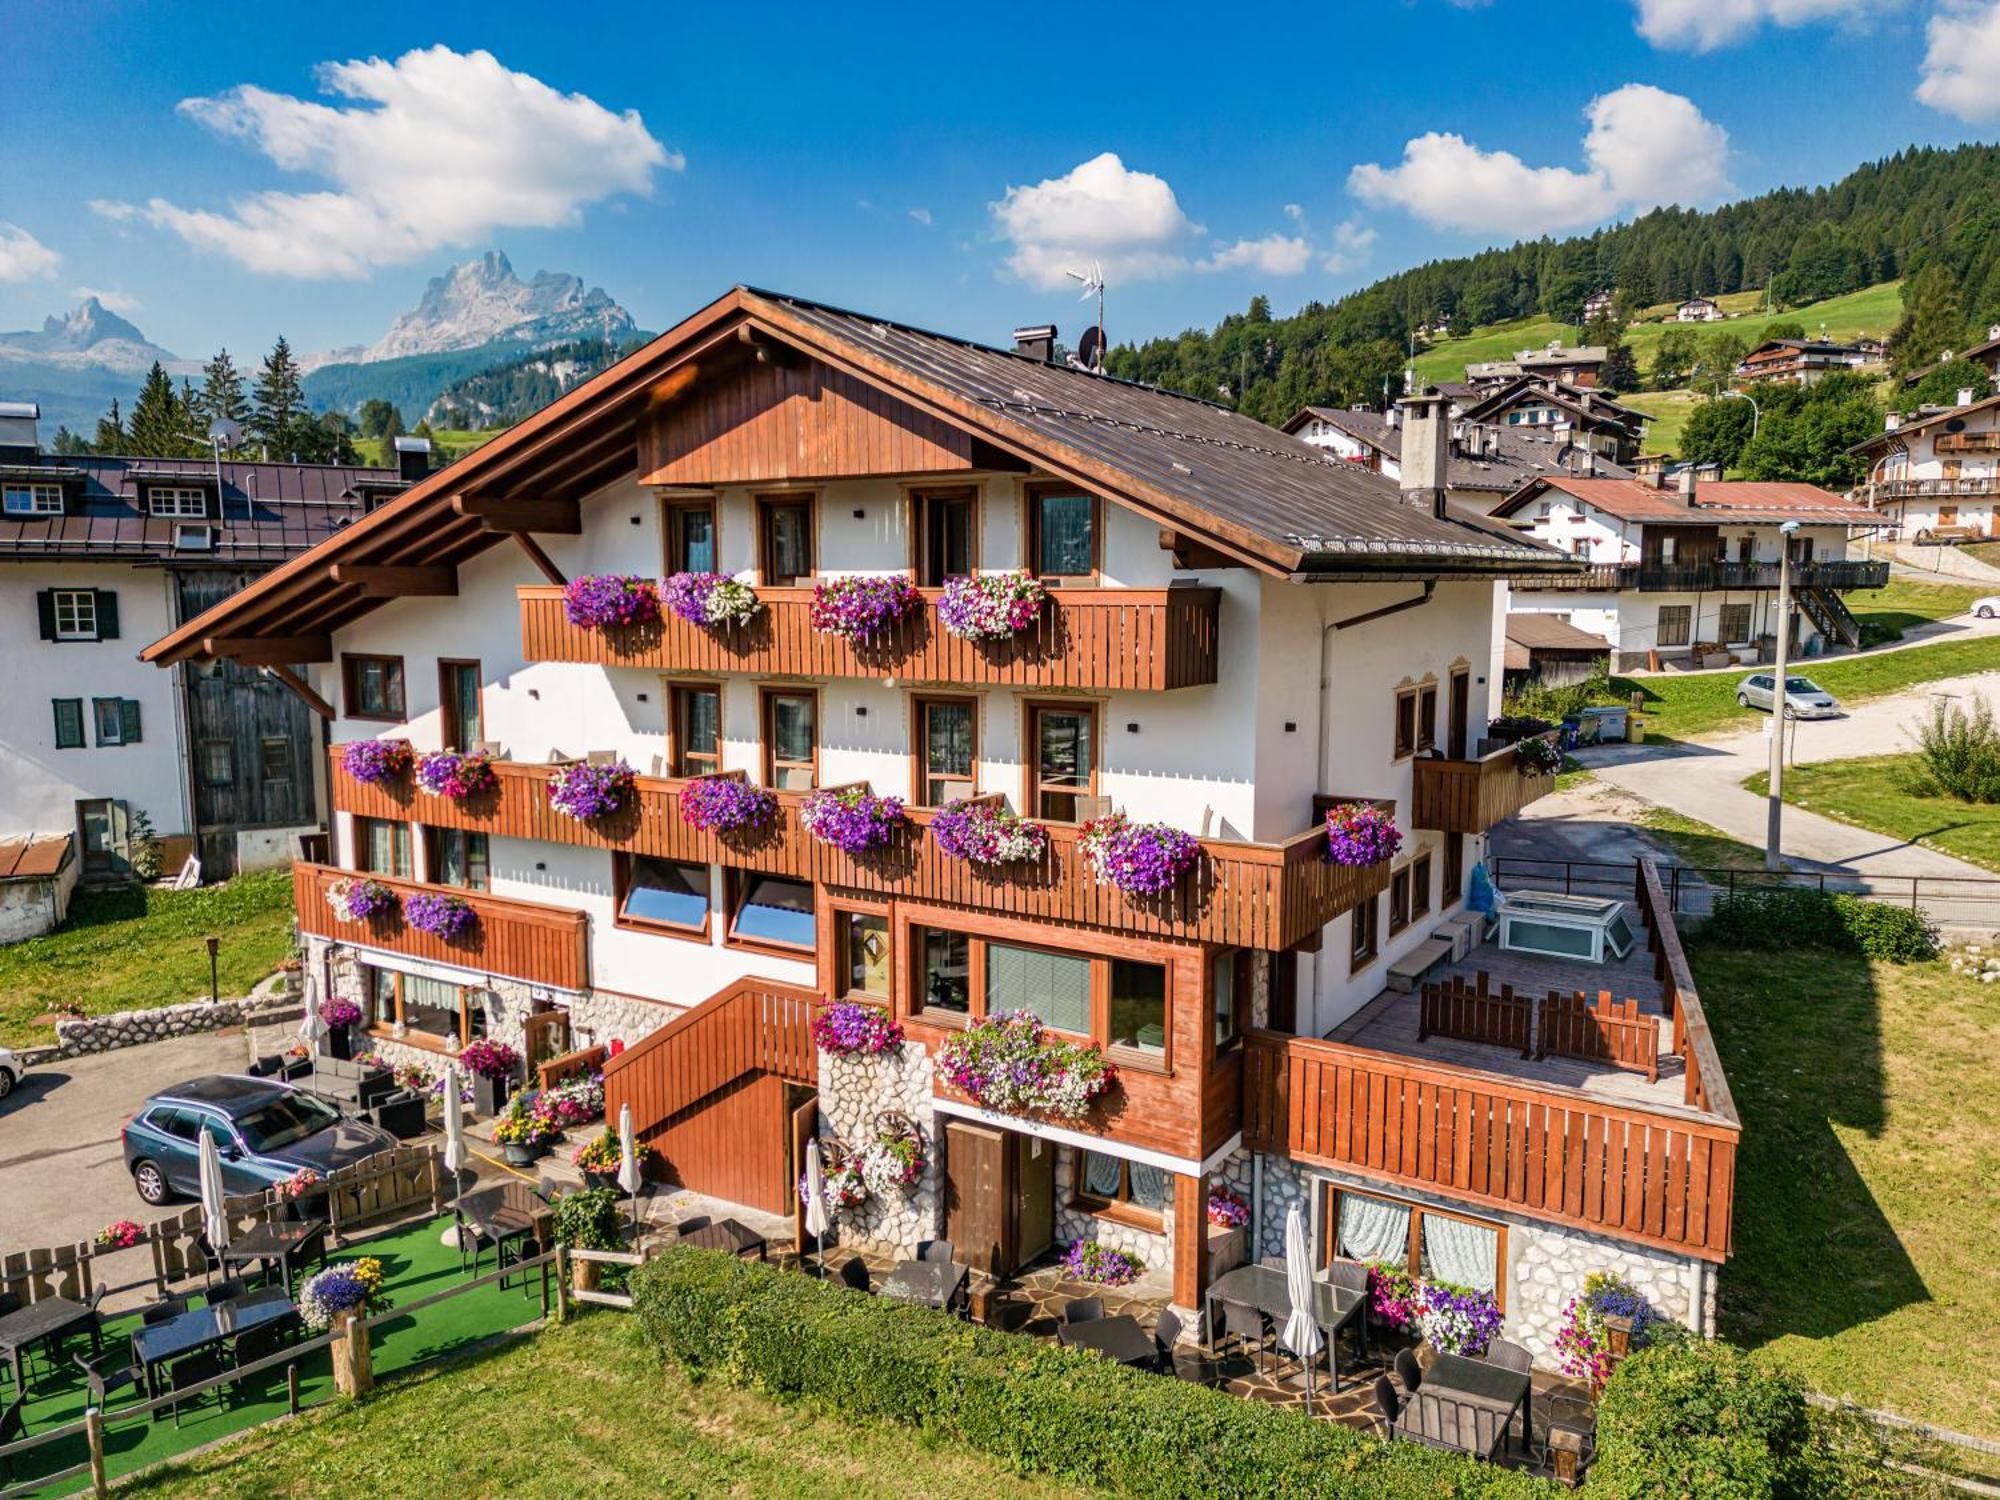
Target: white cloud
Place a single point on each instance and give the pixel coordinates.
(1099, 210)
(117, 301)
(1703, 25)
(1296, 212)
(922, 216)
(1352, 246)
(22, 256)
(1274, 255)
(433, 149)
(112, 209)
(1645, 147)
(1962, 61)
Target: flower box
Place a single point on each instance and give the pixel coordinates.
(448, 774)
(1141, 859)
(862, 608)
(984, 834)
(1360, 834)
(848, 1027)
(1009, 1063)
(377, 762)
(991, 607)
(440, 914)
(853, 821)
(713, 601)
(603, 601)
(359, 899)
(725, 804)
(584, 791)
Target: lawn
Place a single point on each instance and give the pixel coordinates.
(458, 441)
(1699, 844)
(136, 947)
(584, 1409)
(1868, 1180)
(1670, 411)
(1869, 791)
(1885, 613)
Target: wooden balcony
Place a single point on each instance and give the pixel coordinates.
(521, 940)
(1240, 894)
(1124, 640)
(1690, 578)
(1962, 486)
(1470, 796)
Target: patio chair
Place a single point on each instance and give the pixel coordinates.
(258, 1343)
(193, 1370)
(12, 1429)
(1510, 1356)
(938, 1252)
(1166, 1335)
(108, 1372)
(1247, 1326)
(854, 1273)
(1083, 1310)
(1387, 1402)
(160, 1311)
(1409, 1371)
(226, 1290)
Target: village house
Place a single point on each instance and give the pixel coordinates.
(1689, 569)
(1933, 476)
(1598, 304)
(1577, 367)
(1798, 361)
(1985, 354)
(1699, 309)
(1227, 634)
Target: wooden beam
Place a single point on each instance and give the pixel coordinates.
(521, 513)
(398, 580)
(1192, 553)
(1191, 1245)
(540, 559)
(298, 686)
(269, 650)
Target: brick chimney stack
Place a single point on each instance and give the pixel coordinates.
(1426, 450)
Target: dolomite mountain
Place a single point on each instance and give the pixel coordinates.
(76, 363)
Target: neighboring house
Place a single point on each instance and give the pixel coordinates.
(1588, 418)
(1577, 367)
(99, 555)
(1240, 631)
(1986, 354)
(1692, 569)
(1798, 361)
(1546, 648)
(1598, 304)
(37, 875)
(1935, 476)
(1698, 310)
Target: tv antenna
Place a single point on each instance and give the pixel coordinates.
(1090, 348)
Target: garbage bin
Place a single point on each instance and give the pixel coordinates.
(1635, 729)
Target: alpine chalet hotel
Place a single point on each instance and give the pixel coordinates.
(1201, 629)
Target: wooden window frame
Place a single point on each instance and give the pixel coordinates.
(264, 771)
(201, 763)
(1399, 900)
(448, 704)
(767, 740)
(1404, 738)
(432, 862)
(621, 885)
(351, 663)
(1452, 866)
(411, 1037)
(1420, 886)
(672, 508)
(1242, 983)
(1684, 627)
(677, 692)
(834, 981)
(735, 887)
(1031, 531)
(1722, 617)
(762, 506)
(1413, 1251)
(1031, 744)
(1120, 1209)
(1421, 700)
(920, 497)
(1359, 958)
(920, 741)
(363, 857)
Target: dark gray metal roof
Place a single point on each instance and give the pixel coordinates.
(1524, 454)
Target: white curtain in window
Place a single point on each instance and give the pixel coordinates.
(1149, 1186)
(1461, 1253)
(1373, 1229)
(1053, 986)
(1100, 1174)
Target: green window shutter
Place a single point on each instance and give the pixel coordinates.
(69, 723)
(107, 614)
(45, 612)
(129, 722)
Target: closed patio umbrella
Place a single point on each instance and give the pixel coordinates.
(1300, 1334)
(214, 1213)
(311, 1027)
(628, 1160)
(818, 1221)
(454, 1141)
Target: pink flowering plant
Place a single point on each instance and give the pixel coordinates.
(848, 1027)
(1009, 1062)
(446, 773)
(121, 1234)
(574, 1103)
(340, 1013)
(298, 1185)
(710, 600)
(1096, 1262)
(1360, 833)
(440, 914)
(853, 821)
(992, 607)
(1141, 859)
(1394, 1296)
(1583, 1341)
(721, 804)
(863, 608)
(987, 835)
(584, 791)
(359, 899)
(489, 1059)
(601, 601)
(845, 1183)
(1226, 1208)
(377, 762)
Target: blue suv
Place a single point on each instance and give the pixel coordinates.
(265, 1131)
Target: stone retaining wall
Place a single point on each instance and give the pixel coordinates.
(134, 1028)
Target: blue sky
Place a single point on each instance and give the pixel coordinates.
(941, 171)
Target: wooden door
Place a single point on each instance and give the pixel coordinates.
(975, 1195)
(545, 1035)
(805, 1129)
(1461, 714)
(1034, 1200)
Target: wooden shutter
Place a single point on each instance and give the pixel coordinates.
(45, 612)
(69, 723)
(107, 614)
(128, 716)
(121, 838)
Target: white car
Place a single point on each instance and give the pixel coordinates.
(1804, 698)
(11, 1069)
(1988, 607)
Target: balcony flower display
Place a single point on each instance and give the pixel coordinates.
(723, 803)
(710, 600)
(441, 915)
(577, 1102)
(1009, 1063)
(853, 821)
(987, 835)
(1536, 757)
(340, 1013)
(1458, 1319)
(377, 762)
(598, 1158)
(848, 1027)
(340, 1291)
(863, 608)
(1141, 859)
(488, 1059)
(446, 773)
(1394, 1297)
(1360, 833)
(1098, 1263)
(1226, 1208)
(584, 791)
(298, 1185)
(601, 601)
(121, 1234)
(359, 900)
(1584, 1342)
(992, 607)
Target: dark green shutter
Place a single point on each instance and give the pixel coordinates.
(69, 723)
(107, 615)
(45, 611)
(129, 719)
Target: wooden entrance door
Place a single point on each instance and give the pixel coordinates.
(1033, 1199)
(805, 1126)
(1460, 711)
(976, 1193)
(544, 1035)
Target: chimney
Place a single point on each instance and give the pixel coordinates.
(1426, 451)
(1965, 395)
(1390, 416)
(20, 436)
(1037, 343)
(1891, 422)
(1687, 485)
(413, 458)
(1993, 333)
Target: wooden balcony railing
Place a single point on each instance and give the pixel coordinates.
(1240, 894)
(1127, 640)
(753, 1026)
(1691, 578)
(517, 939)
(1470, 796)
(1917, 489)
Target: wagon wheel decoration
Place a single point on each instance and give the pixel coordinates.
(894, 1125)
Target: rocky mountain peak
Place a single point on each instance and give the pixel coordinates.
(483, 301)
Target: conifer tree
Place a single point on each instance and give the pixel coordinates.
(157, 429)
(110, 432)
(222, 398)
(278, 400)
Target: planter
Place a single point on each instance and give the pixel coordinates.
(601, 1180)
(1226, 1248)
(339, 1043)
(518, 1155)
(489, 1095)
(584, 1274)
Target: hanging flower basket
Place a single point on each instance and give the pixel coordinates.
(1141, 859)
(1009, 1063)
(713, 601)
(359, 900)
(442, 916)
(992, 607)
(987, 835)
(339, 1013)
(848, 1027)
(603, 601)
(584, 791)
(1099, 1264)
(1360, 834)
(863, 608)
(845, 1182)
(1226, 1208)
(446, 773)
(1536, 757)
(893, 1163)
(853, 821)
(722, 803)
(377, 762)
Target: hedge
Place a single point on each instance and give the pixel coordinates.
(1038, 1407)
(1787, 916)
(1699, 1419)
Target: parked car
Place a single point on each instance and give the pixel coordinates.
(1988, 607)
(265, 1130)
(11, 1069)
(1804, 698)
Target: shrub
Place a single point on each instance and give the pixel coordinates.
(1958, 753)
(1784, 916)
(590, 1219)
(1537, 700)
(1695, 1418)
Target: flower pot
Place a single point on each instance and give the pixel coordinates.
(1226, 1248)
(600, 1179)
(489, 1095)
(339, 1043)
(523, 1156)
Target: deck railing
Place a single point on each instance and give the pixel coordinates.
(1125, 640)
(1470, 796)
(1691, 578)
(753, 1026)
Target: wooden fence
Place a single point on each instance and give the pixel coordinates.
(1613, 1031)
(571, 1065)
(1707, 1084)
(753, 1026)
(50, 1271)
(1472, 1013)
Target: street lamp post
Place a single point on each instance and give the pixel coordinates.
(214, 985)
(1774, 802)
(1756, 411)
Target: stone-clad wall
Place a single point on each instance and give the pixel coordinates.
(131, 1028)
(1154, 1250)
(853, 1090)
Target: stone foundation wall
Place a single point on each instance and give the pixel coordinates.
(132, 1028)
(1153, 1249)
(853, 1090)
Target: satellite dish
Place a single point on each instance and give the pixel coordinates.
(1090, 349)
(224, 433)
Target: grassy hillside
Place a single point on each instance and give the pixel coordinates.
(1669, 411)
(456, 443)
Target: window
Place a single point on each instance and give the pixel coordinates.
(664, 893)
(1103, 1181)
(374, 686)
(1364, 938)
(117, 720)
(791, 741)
(1420, 886)
(1454, 871)
(190, 538)
(946, 750)
(1399, 900)
(1064, 768)
(694, 729)
(691, 536)
(1428, 1242)
(33, 500)
(1407, 721)
(863, 939)
(944, 975)
(1053, 987)
(459, 705)
(218, 763)
(188, 503)
(276, 753)
(432, 1012)
(785, 540)
(69, 723)
(1427, 717)
(458, 857)
(76, 614)
(773, 910)
(1670, 547)
(1229, 995)
(1735, 622)
(1138, 1006)
(1062, 534)
(383, 847)
(944, 525)
(1674, 621)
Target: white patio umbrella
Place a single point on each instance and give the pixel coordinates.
(214, 1213)
(454, 1131)
(311, 1027)
(1300, 1334)
(818, 1220)
(628, 1159)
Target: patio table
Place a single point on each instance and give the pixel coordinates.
(1475, 1383)
(504, 1212)
(1119, 1337)
(729, 1237)
(265, 1245)
(38, 1322)
(199, 1327)
(934, 1283)
(1263, 1287)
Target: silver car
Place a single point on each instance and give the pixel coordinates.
(1804, 698)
